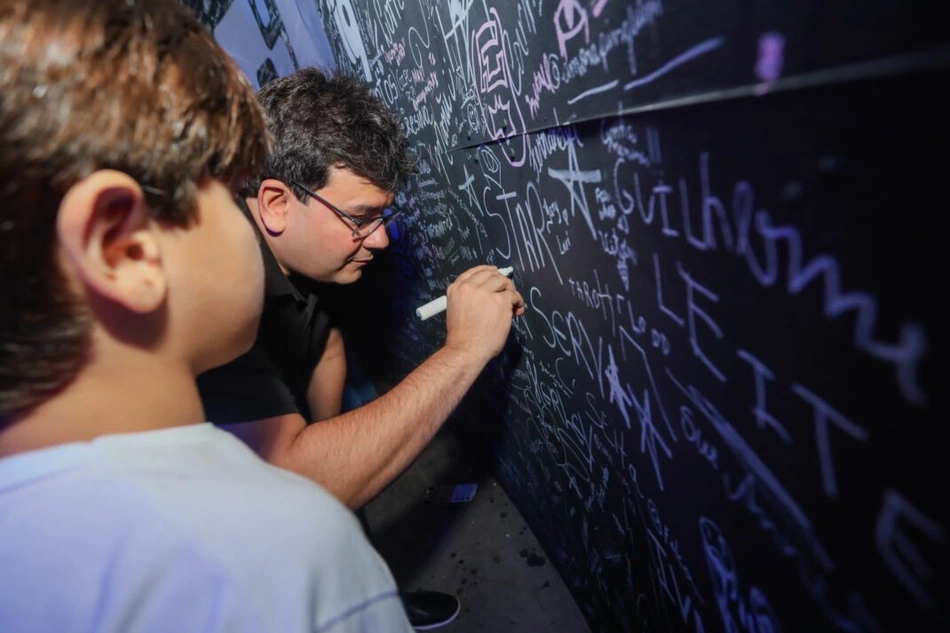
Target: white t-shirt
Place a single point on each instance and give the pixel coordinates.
(180, 530)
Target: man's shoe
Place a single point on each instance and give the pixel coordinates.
(429, 610)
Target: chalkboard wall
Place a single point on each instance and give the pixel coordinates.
(725, 408)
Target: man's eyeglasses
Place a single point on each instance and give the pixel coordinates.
(361, 227)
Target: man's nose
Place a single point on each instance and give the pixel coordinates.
(377, 240)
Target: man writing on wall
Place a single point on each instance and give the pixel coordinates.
(319, 207)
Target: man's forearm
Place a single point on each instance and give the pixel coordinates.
(357, 454)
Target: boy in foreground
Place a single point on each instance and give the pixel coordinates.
(123, 130)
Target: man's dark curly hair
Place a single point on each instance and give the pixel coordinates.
(321, 121)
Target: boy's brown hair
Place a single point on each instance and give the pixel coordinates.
(138, 86)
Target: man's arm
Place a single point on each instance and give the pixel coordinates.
(357, 454)
(325, 392)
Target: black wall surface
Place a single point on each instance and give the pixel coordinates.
(726, 408)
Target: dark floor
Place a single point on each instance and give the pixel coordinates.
(481, 550)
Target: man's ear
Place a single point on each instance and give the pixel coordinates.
(107, 237)
(273, 202)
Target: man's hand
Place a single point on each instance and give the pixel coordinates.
(481, 303)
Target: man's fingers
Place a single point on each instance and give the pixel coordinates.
(491, 279)
(474, 271)
(517, 301)
(488, 278)
(499, 283)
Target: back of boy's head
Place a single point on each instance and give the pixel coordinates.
(137, 86)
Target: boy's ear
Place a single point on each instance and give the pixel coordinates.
(273, 202)
(107, 237)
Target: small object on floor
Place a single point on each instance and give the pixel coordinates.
(429, 610)
(459, 493)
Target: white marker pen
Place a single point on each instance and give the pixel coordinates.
(439, 305)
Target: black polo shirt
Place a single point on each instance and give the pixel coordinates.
(272, 378)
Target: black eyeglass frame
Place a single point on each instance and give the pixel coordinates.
(361, 227)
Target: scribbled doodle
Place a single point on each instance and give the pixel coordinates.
(500, 105)
(570, 21)
(210, 12)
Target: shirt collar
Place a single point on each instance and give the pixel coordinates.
(276, 283)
